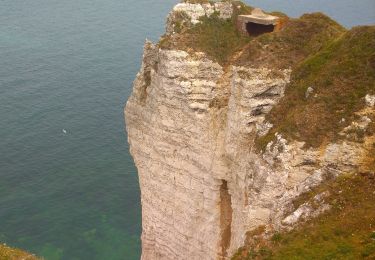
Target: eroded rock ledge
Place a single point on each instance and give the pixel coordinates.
(192, 124)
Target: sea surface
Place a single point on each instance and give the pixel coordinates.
(68, 185)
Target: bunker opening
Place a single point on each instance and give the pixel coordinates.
(256, 29)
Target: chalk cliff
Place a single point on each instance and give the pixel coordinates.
(193, 126)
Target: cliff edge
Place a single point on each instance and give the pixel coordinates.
(9, 253)
(228, 130)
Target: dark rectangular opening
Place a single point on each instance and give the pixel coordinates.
(255, 29)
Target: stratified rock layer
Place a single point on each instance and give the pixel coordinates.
(191, 127)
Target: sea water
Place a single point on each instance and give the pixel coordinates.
(68, 185)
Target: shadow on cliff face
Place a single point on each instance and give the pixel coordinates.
(225, 217)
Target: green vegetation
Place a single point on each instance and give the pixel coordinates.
(341, 74)
(220, 39)
(298, 39)
(180, 19)
(8, 253)
(339, 66)
(216, 37)
(347, 231)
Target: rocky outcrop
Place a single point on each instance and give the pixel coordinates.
(188, 13)
(191, 127)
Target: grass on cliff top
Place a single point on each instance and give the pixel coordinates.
(8, 253)
(341, 75)
(298, 39)
(218, 38)
(347, 231)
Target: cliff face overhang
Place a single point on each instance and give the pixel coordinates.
(192, 125)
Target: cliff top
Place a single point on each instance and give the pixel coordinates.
(266, 123)
(336, 64)
(339, 77)
(221, 40)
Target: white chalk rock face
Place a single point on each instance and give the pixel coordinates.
(191, 128)
(169, 134)
(193, 11)
(187, 13)
(370, 100)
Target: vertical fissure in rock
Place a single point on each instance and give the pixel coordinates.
(225, 218)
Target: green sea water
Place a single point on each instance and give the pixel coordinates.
(68, 186)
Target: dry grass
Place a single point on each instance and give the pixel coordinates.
(296, 41)
(341, 74)
(216, 37)
(347, 231)
(220, 40)
(340, 66)
(8, 253)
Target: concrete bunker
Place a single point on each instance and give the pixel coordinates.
(257, 23)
